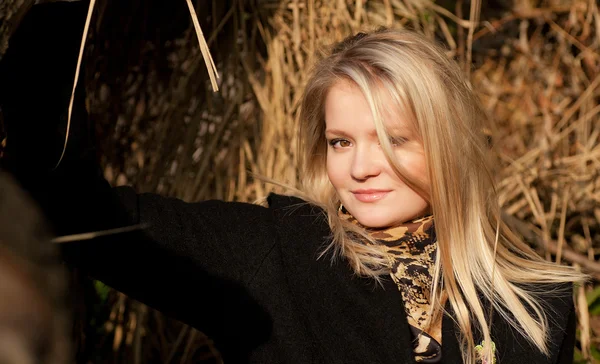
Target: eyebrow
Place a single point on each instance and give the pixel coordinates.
(392, 131)
(336, 132)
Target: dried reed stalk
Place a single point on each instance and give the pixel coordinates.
(210, 65)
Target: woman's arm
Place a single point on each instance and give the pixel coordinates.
(193, 261)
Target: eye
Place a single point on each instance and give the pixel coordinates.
(397, 141)
(339, 143)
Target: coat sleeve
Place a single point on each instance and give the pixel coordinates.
(193, 261)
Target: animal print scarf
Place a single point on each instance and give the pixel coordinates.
(411, 249)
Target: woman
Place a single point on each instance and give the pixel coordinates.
(351, 269)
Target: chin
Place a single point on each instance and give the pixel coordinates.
(383, 219)
(375, 222)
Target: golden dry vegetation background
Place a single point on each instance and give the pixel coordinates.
(534, 63)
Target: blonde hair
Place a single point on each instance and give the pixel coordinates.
(477, 252)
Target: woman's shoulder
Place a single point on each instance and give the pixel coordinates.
(553, 295)
(557, 305)
(557, 302)
(556, 299)
(298, 218)
(277, 200)
(292, 205)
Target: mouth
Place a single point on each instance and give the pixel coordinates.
(369, 195)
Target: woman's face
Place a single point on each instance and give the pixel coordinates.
(356, 165)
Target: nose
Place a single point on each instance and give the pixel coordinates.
(366, 163)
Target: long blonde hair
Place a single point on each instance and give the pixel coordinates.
(477, 253)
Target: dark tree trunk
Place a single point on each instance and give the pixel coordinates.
(11, 14)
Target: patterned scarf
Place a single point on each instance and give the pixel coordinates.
(411, 249)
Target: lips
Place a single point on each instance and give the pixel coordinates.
(370, 195)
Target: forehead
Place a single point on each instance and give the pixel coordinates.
(346, 107)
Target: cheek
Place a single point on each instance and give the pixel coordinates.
(414, 162)
(336, 171)
(418, 165)
(332, 172)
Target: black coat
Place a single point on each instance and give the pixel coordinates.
(250, 278)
